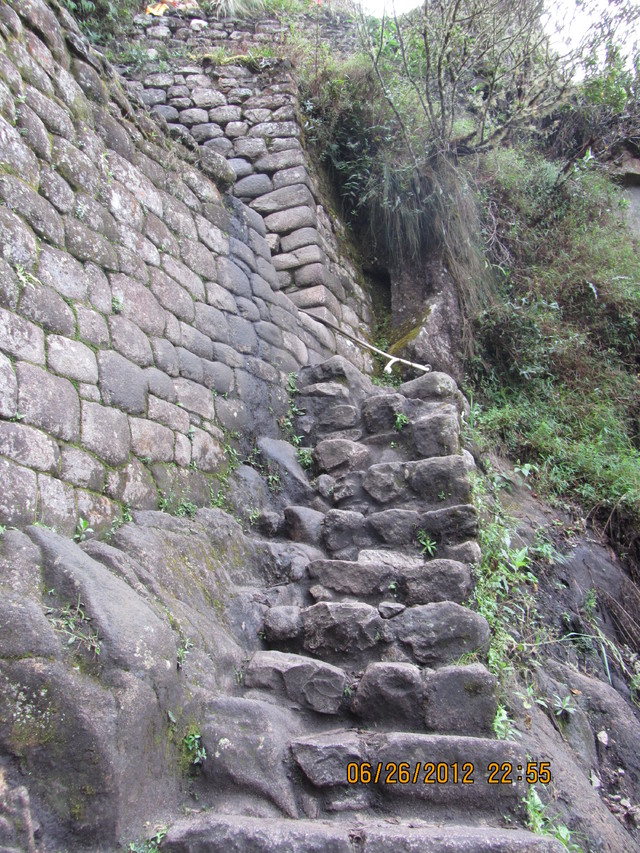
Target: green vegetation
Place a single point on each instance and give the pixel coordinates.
(504, 591)
(540, 822)
(400, 421)
(426, 543)
(554, 374)
(530, 227)
(83, 529)
(73, 622)
(183, 650)
(149, 845)
(193, 749)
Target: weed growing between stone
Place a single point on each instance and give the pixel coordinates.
(428, 546)
(540, 822)
(73, 622)
(193, 748)
(149, 845)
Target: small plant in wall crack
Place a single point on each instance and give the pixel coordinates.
(183, 650)
(428, 546)
(401, 421)
(305, 457)
(193, 747)
(541, 823)
(83, 529)
(73, 622)
(149, 845)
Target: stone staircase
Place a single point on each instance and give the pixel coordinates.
(370, 711)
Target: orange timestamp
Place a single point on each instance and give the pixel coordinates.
(443, 773)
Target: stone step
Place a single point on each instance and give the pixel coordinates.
(346, 532)
(459, 700)
(439, 481)
(355, 634)
(403, 767)
(213, 833)
(306, 682)
(373, 581)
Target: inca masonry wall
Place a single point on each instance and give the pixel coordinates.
(144, 323)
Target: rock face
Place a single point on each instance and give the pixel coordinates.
(278, 645)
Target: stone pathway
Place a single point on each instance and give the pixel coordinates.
(372, 683)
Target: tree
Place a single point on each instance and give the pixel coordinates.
(475, 71)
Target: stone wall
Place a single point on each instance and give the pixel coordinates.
(143, 323)
(239, 97)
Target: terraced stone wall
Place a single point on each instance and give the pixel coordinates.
(143, 324)
(234, 96)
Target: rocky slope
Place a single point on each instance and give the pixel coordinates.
(273, 661)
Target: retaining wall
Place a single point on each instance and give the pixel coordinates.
(143, 323)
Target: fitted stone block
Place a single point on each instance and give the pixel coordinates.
(253, 186)
(74, 166)
(86, 245)
(212, 323)
(285, 221)
(198, 258)
(133, 485)
(138, 304)
(160, 384)
(71, 359)
(165, 356)
(281, 160)
(56, 504)
(283, 199)
(171, 296)
(21, 338)
(62, 272)
(184, 276)
(461, 700)
(122, 383)
(194, 398)
(150, 440)
(46, 307)
(37, 211)
(206, 452)
(17, 241)
(8, 388)
(275, 129)
(232, 278)
(48, 402)
(18, 495)
(105, 432)
(250, 147)
(15, 154)
(206, 97)
(136, 181)
(212, 236)
(81, 469)
(168, 414)
(130, 341)
(29, 447)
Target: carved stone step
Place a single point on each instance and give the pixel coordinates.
(439, 481)
(459, 700)
(486, 775)
(214, 833)
(354, 633)
(346, 532)
(375, 581)
(308, 683)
